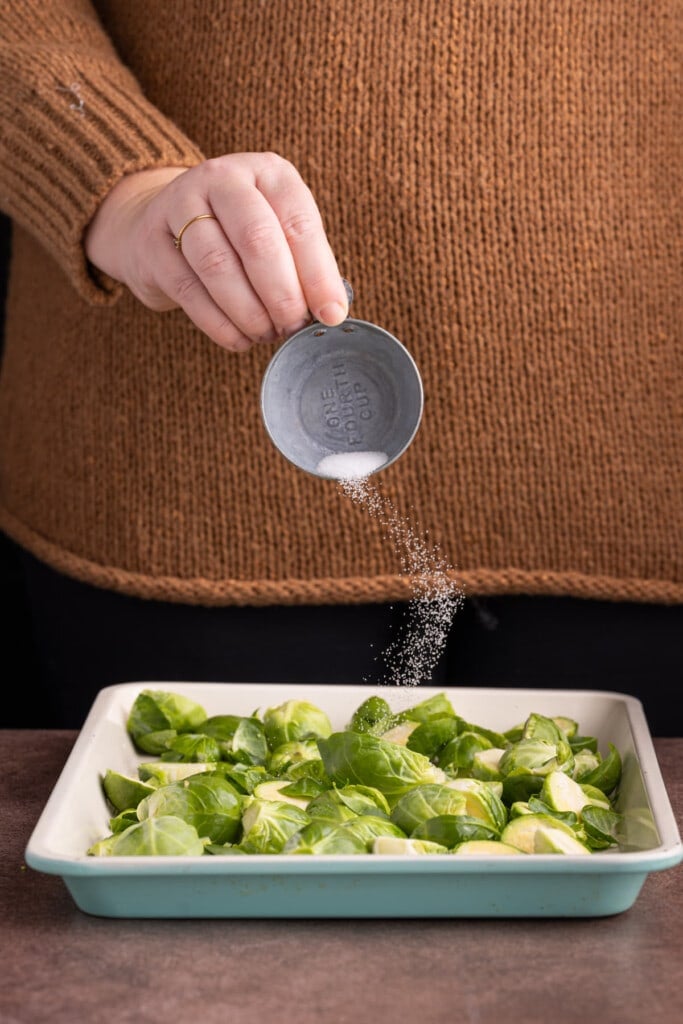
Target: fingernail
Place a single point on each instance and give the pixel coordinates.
(332, 313)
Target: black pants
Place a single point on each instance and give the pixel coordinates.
(71, 639)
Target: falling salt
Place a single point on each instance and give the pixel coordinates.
(351, 465)
(410, 658)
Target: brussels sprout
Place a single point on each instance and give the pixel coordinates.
(244, 777)
(426, 801)
(430, 738)
(273, 790)
(156, 710)
(321, 837)
(536, 757)
(208, 802)
(225, 850)
(221, 727)
(540, 727)
(165, 836)
(603, 828)
(538, 806)
(289, 754)
(519, 807)
(451, 829)
(374, 716)
(584, 762)
(521, 786)
(156, 742)
(460, 751)
(122, 791)
(607, 775)
(476, 847)
(268, 824)
(561, 793)
(352, 757)
(190, 746)
(303, 788)
(323, 808)
(486, 765)
(393, 846)
(595, 797)
(588, 743)
(400, 733)
(241, 739)
(481, 801)
(295, 720)
(496, 739)
(568, 726)
(541, 833)
(359, 799)
(310, 769)
(123, 820)
(432, 707)
(368, 826)
(161, 773)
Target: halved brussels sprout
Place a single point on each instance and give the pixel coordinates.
(156, 710)
(191, 746)
(603, 827)
(451, 829)
(426, 801)
(295, 720)
(541, 833)
(161, 773)
(209, 802)
(481, 801)
(241, 739)
(273, 790)
(165, 836)
(607, 775)
(368, 826)
(400, 733)
(358, 799)
(268, 824)
(392, 846)
(324, 837)
(374, 716)
(489, 847)
(288, 754)
(430, 738)
(460, 751)
(353, 757)
(123, 791)
(425, 710)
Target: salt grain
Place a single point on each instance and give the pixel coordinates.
(411, 657)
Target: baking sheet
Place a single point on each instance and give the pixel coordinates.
(355, 886)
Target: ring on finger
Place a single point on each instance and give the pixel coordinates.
(178, 239)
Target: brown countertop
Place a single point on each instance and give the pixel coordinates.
(61, 965)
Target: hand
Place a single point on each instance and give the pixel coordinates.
(255, 273)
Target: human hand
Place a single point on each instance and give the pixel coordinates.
(254, 272)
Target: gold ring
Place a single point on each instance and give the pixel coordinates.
(178, 239)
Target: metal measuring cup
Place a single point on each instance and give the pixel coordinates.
(342, 401)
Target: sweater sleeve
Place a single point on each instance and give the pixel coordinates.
(73, 121)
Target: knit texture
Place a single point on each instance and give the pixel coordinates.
(501, 183)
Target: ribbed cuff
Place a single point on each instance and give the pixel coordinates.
(67, 144)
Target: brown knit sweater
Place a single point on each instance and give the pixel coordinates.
(501, 182)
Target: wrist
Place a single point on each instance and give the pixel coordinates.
(105, 234)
